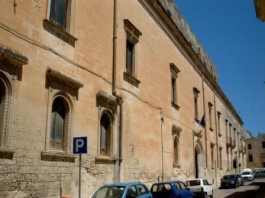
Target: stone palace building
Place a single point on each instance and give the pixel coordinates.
(127, 74)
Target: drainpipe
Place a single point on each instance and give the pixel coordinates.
(117, 167)
(114, 58)
(162, 148)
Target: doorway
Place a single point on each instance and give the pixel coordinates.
(198, 158)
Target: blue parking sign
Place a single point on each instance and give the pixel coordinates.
(80, 145)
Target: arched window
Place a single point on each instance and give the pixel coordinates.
(2, 99)
(105, 135)
(176, 150)
(58, 120)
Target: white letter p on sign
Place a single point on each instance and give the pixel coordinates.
(79, 144)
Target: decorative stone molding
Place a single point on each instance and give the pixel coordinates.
(132, 32)
(176, 130)
(197, 130)
(12, 57)
(174, 69)
(196, 91)
(59, 80)
(107, 101)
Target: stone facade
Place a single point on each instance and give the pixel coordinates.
(130, 76)
(255, 147)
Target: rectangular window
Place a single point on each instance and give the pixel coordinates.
(130, 57)
(58, 12)
(210, 107)
(250, 158)
(174, 85)
(132, 40)
(249, 146)
(263, 144)
(219, 123)
(220, 158)
(196, 108)
(212, 155)
(173, 89)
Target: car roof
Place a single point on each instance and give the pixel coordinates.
(167, 182)
(123, 183)
(195, 179)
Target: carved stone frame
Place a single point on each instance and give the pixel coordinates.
(11, 63)
(106, 104)
(60, 85)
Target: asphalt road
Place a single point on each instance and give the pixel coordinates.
(252, 189)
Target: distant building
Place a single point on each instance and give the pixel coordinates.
(130, 76)
(260, 9)
(255, 152)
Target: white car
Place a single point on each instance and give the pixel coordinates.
(200, 187)
(247, 175)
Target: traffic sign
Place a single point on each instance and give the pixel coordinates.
(80, 145)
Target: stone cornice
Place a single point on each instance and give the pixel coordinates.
(12, 57)
(71, 82)
(171, 18)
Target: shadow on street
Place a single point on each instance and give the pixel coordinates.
(258, 193)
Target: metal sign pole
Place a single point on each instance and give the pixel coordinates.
(79, 193)
(79, 147)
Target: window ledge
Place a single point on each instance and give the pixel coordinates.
(57, 156)
(131, 79)
(173, 104)
(6, 153)
(104, 160)
(176, 166)
(59, 32)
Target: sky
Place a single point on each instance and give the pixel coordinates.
(234, 39)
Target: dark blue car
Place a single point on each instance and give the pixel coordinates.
(171, 189)
(123, 190)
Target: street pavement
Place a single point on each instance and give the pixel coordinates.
(251, 189)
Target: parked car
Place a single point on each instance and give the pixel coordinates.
(259, 173)
(240, 179)
(123, 190)
(230, 181)
(247, 175)
(200, 187)
(170, 189)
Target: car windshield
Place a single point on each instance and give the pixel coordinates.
(109, 191)
(246, 173)
(229, 176)
(193, 182)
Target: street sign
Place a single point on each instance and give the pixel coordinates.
(80, 145)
